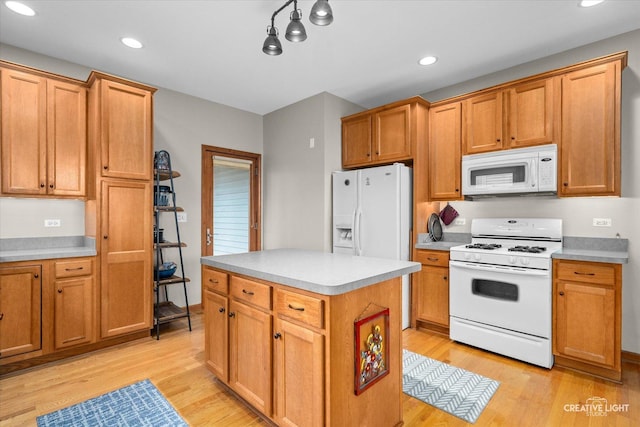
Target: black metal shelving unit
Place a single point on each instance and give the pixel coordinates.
(166, 311)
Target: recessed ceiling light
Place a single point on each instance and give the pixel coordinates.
(428, 60)
(131, 42)
(20, 8)
(589, 3)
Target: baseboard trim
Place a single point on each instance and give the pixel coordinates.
(631, 357)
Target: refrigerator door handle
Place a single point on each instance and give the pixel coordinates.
(356, 232)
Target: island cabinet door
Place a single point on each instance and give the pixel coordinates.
(250, 355)
(299, 375)
(216, 333)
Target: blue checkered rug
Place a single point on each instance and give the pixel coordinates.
(453, 390)
(140, 404)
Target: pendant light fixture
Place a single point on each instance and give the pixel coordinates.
(321, 14)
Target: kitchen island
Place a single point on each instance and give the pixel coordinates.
(307, 338)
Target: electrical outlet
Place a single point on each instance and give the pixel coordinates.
(312, 142)
(182, 216)
(52, 223)
(602, 222)
(459, 221)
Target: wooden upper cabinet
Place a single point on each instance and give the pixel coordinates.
(392, 134)
(590, 150)
(66, 138)
(483, 123)
(445, 129)
(382, 135)
(124, 129)
(356, 140)
(534, 111)
(523, 115)
(44, 143)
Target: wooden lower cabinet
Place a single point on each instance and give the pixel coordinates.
(20, 309)
(74, 307)
(587, 317)
(250, 355)
(430, 291)
(289, 353)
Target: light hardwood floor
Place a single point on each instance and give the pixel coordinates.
(527, 396)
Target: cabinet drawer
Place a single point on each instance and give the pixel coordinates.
(586, 272)
(299, 307)
(215, 281)
(252, 292)
(72, 268)
(435, 258)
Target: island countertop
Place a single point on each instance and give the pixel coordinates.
(320, 272)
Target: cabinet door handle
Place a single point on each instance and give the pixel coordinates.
(1, 316)
(35, 276)
(584, 274)
(105, 167)
(59, 291)
(444, 277)
(561, 293)
(232, 314)
(105, 237)
(277, 335)
(296, 308)
(221, 309)
(51, 185)
(42, 185)
(244, 291)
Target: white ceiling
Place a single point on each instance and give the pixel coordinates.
(368, 55)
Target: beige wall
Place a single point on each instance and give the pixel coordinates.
(578, 213)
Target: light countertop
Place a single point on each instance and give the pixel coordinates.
(35, 248)
(320, 272)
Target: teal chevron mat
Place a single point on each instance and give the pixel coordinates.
(139, 404)
(453, 390)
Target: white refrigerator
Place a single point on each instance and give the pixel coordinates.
(372, 216)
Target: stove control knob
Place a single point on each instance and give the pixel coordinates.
(477, 257)
(513, 260)
(467, 256)
(524, 261)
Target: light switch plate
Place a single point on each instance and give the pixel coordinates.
(182, 216)
(459, 221)
(52, 223)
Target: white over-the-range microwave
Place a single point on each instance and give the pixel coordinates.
(520, 171)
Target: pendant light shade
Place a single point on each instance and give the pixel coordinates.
(321, 13)
(271, 44)
(295, 29)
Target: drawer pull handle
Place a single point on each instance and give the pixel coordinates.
(244, 291)
(213, 280)
(433, 259)
(584, 274)
(74, 269)
(296, 308)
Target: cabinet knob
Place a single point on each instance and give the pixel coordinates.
(35, 276)
(1, 316)
(444, 277)
(105, 167)
(566, 184)
(41, 185)
(277, 335)
(232, 314)
(59, 291)
(498, 140)
(457, 190)
(105, 237)
(561, 293)
(50, 185)
(221, 309)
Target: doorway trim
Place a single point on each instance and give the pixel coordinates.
(255, 208)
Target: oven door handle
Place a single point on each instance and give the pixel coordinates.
(498, 268)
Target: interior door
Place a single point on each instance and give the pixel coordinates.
(231, 220)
